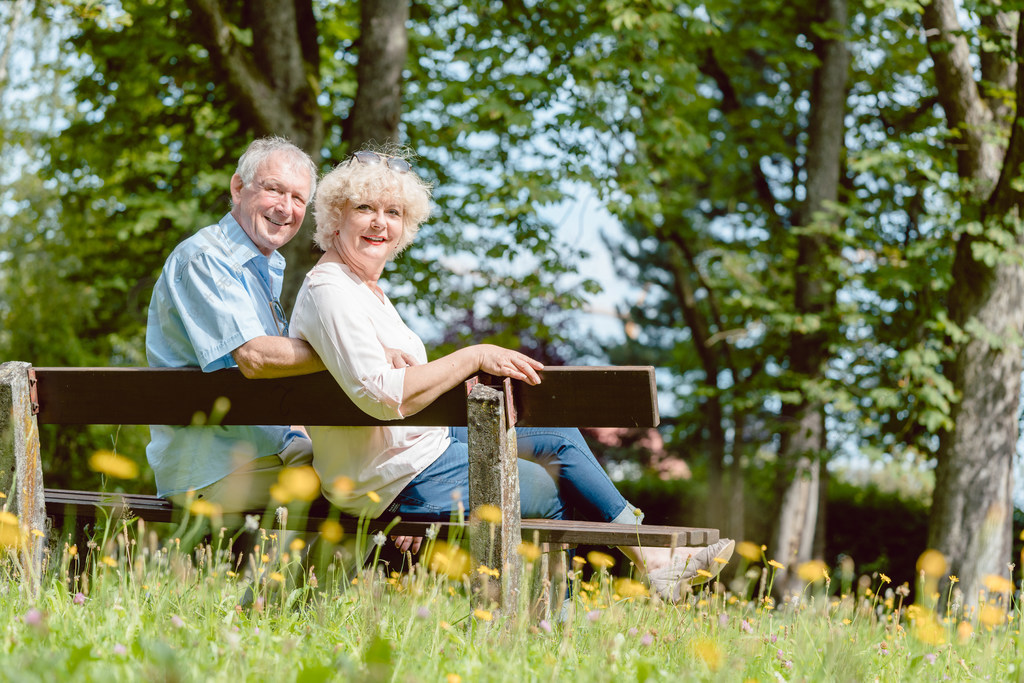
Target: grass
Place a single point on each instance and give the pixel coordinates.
(135, 604)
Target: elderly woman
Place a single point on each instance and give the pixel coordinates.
(368, 209)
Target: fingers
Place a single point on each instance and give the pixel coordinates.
(399, 359)
(509, 363)
(408, 543)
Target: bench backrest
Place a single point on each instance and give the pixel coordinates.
(566, 397)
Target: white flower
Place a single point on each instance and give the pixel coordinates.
(431, 532)
(252, 523)
(282, 516)
(379, 538)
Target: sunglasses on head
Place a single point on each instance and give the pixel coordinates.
(396, 164)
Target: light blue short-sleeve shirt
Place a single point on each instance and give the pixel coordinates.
(216, 292)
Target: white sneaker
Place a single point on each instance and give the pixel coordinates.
(671, 581)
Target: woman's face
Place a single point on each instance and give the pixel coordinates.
(369, 234)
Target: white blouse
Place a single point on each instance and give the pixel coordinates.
(349, 327)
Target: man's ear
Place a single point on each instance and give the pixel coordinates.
(236, 188)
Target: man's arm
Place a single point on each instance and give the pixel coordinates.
(272, 356)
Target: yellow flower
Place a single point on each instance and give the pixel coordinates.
(113, 465)
(705, 573)
(749, 551)
(372, 495)
(777, 565)
(10, 529)
(928, 630)
(451, 560)
(280, 494)
(599, 560)
(300, 482)
(953, 579)
(579, 561)
(484, 570)
(109, 561)
(708, 651)
(277, 576)
(530, 551)
(812, 572)
(628, 588)
(991, 616)
(885, 579)
(488, 513)
(482, 614)
(931, 563)
(296, 545)
(204, 508)
(964, 631)
(331, 531)
(997, 584)
(342, 486)
(453, 678)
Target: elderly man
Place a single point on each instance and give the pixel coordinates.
(216, 305)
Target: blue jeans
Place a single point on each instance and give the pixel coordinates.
(559, 478)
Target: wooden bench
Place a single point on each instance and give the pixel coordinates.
(489, 407)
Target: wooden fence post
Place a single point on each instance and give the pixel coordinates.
(493, 500)
(21, 474)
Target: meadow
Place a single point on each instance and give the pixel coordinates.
(133, 603)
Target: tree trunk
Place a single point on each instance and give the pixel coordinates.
(972, 506)
(383, 48)
(275, 79)
(804, 435)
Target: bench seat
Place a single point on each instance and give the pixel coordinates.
(92, 505)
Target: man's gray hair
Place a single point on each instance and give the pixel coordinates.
(261, 149)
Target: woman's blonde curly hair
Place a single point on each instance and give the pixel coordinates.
(357, 182)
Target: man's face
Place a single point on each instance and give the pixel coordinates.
(271, 208)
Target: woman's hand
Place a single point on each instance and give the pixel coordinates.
(424, 383)
(503, 362)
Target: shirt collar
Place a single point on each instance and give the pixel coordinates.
(242, 248)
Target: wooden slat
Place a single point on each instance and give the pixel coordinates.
(567, 397)
(87, 505)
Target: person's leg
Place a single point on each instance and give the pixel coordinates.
(585, 486)
(436, 492)
(581, 480)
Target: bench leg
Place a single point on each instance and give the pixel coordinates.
(21, 474)
(493, 492)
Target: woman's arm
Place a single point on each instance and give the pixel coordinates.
(424, 383)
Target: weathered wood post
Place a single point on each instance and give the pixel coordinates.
(493, 499)
(21, 474)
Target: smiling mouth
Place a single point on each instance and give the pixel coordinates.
(374, 240)
(271, 220)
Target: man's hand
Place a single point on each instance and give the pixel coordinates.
(399, 359)
(408, 543)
